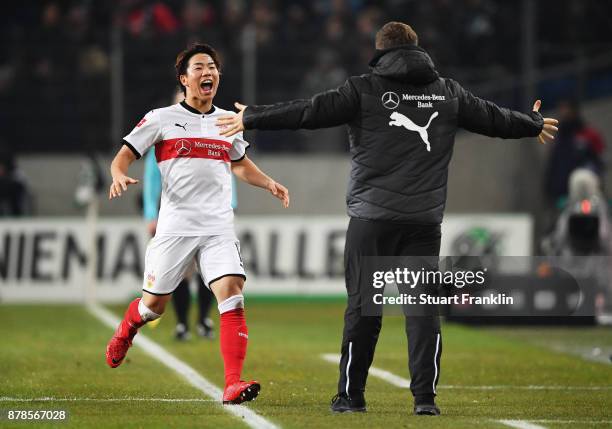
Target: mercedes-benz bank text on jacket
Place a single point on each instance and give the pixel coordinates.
(402, 120)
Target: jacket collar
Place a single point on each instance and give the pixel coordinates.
(405, 63)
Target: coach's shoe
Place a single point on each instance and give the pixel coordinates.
(241, 391)
(342, 403)
(426, 410)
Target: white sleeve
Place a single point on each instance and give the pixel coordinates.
(239, 147)
(145, 134)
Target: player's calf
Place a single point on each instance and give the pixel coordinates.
(233, 336)
(136, 316)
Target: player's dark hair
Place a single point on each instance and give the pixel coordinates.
(394, 34)
(182, 60)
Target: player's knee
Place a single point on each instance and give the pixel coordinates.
(156, 304)
(227, 287)
(231, 303)
(234, 285)
(149, 312)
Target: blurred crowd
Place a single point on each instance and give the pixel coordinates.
(57, 56)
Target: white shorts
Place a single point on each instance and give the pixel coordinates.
(170, 258)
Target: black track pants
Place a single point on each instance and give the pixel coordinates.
(368, 238)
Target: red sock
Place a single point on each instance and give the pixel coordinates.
(131, 321)
(233, 337)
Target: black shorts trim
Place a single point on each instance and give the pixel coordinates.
(225, 275)
(158, 294)
(132, 148)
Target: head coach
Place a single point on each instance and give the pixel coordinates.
(402, 119)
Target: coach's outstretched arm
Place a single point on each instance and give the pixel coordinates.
(484, 117)
(326, 109)
(119, 168)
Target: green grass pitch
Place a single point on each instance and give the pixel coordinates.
(57, 351)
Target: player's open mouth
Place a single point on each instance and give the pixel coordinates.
(206, 86)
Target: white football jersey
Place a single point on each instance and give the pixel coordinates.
(194, 161)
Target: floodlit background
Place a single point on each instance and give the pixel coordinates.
(76, 76)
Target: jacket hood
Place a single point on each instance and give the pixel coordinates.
(407, 63)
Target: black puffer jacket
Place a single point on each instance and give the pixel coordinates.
(402, 120)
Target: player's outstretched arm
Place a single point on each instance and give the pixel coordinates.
(248, 172)
(119, 168)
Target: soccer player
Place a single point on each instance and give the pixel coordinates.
(195, 217)
(402, 120)
(181, 297)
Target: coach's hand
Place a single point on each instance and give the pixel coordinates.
(549, 130)
(279, 191)
(232, 124)
(120, 183)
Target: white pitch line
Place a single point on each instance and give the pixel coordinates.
(590, 422)
(527, 387)
(520, 424)
(51, 399)
(249, 417)
(377, 372)
(404, 383)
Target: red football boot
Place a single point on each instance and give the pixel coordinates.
(241, 391)
(116, 350)
(118, 345)
(122, 339)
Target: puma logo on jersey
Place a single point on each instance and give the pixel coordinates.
(184, 127)
(399, 120)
